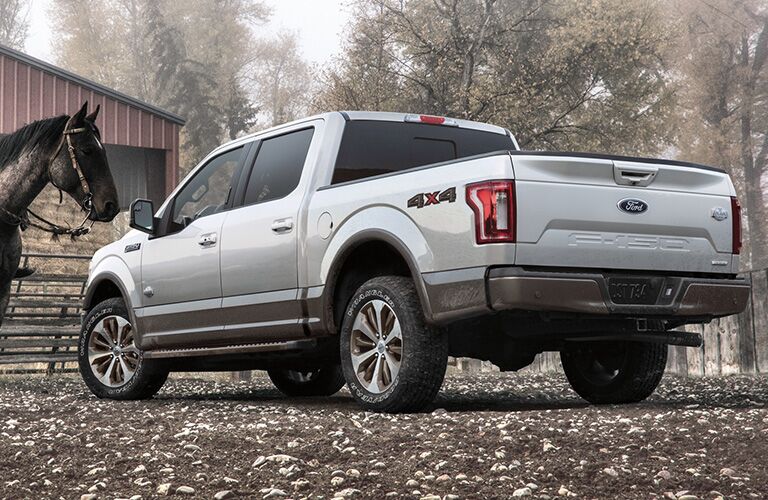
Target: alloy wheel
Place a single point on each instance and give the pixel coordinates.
(112, 352)
(376, 346)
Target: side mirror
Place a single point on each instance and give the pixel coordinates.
(143, 216)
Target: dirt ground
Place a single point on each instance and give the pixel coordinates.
(490, 436)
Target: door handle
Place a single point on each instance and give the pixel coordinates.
(207, 240)
(634, 175)
(283, 225)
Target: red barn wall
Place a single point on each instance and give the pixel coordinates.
(28, 94)
(31, 90)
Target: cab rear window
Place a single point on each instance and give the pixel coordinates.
(371, 148)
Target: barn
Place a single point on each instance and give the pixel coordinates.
(141, 140)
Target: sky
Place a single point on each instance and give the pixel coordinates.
(319, 25)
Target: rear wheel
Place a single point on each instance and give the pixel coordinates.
(392, 359)
(614, 372)
(111, 364)
(325, 381)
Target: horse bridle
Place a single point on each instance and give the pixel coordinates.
(67, 136)
(87, 204)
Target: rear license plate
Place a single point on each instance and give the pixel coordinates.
(642, 291)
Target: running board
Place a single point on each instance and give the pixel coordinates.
(291, 345)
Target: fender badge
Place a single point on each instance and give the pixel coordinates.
(719, 213)
(132, 247)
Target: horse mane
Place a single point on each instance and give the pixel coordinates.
(41, 134)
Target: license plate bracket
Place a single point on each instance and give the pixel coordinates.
(634, 290)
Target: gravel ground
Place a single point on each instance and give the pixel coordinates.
(490, 436)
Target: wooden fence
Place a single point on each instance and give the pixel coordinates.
(732, 345)
(41, 325)
(735, 344)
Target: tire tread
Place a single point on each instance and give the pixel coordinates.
(425, 353)
(329, 382)
(646, 365)
(150, 378)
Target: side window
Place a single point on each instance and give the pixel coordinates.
(277, 169)
(209, 190)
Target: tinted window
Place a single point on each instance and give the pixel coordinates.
(371, 148)
(278, 166)
(209, 190)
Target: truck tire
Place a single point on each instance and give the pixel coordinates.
(614, 372)
(110, 363)
(392, 359)
(325, 381)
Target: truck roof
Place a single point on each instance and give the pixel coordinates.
(403, 117)
(379, 116)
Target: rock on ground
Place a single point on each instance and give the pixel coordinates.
(487, 436)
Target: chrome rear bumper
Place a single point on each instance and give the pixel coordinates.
(588, 293)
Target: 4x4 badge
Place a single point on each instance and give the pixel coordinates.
(422, 200)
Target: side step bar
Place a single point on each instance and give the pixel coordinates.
(671, 337)
(291, 345)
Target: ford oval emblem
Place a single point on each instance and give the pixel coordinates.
(719, 213)
(632, 206)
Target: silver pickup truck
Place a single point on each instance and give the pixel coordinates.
(365, 248)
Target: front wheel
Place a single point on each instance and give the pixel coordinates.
(325, 381)
(614, 372)
(392, 359)
(111, 364)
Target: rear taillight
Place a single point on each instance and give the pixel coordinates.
(494, 205)
(736, 220)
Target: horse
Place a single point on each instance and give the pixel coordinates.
(65, 151)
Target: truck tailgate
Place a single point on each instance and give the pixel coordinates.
(591, 212)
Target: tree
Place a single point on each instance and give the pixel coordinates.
(14, 22)
(181, 85)
(586, 74)
(187, 57)
(220, 36)
(87, 40)
(724, 102)
(364, 77)
(280, 80)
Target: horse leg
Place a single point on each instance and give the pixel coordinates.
(10, 253)
(5, 297)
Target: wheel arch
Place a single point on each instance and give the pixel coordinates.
(105, 288)
(111, 278)
(388, 254)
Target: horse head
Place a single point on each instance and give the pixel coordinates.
(80, 167)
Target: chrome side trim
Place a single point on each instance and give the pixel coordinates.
(260, 298)
(232, 349)
(261, 324)
(177, 308)
(183, 331)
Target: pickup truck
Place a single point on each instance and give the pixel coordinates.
(366, 248)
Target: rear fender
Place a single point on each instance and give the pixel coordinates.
(378, 224)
